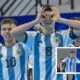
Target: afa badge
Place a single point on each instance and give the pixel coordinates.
(18, 52)
(57, 40)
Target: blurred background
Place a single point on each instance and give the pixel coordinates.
(31, 7)
(65, 52)
(26, 10)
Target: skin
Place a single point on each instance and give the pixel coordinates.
(72, 55)
(5, 32)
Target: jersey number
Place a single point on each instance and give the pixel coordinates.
(11, 62)
(48, 51)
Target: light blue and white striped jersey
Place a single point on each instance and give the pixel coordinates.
(61, 77)
(44, 57)
(70, 64)
(67, 40)
(14, 62)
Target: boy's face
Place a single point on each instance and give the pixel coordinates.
(5, 31)
(72, 55)
(47, 17)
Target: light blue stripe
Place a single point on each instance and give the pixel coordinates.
(70, 66)
(1, 67)
(48, 60)
(36, 57)
(67, 65)
(22, 62)
(59, 76)
(76, 77)
(10, 69)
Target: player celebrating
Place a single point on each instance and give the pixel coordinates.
(13, 55)
(70, 62)
(43, 44)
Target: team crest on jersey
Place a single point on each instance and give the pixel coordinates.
(57, 40)
(18, 52)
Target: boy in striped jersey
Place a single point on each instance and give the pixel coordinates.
(43, 44)
(71, 62)
(13, 54)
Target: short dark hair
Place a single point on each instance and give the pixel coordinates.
(9, 21)
(47, 7)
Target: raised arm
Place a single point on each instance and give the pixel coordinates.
(24, 27)
(19, 31)
(72, 23)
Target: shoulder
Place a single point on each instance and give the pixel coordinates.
(23, 45)
(31, 33)
(65, 31)
(1, 45)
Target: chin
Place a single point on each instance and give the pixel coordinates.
(8, 40)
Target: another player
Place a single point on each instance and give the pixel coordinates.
(71, 62)
(13, 54)
(43, 45)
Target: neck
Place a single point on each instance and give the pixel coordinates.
(10, 43)
(48, 30)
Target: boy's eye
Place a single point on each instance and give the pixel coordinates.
(42, 16)
(52, 16)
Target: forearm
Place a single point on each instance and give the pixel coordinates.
(22, 28)
(72, 23)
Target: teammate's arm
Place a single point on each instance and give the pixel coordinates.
(18, 32)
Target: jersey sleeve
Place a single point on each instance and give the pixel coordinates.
(30, 39)
(27, 50)
(66, 37)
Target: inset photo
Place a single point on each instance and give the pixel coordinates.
(68, 59)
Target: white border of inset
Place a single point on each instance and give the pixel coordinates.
(56, 60)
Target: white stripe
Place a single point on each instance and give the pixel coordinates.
(73, 65)
(17, 67)
(54, 66)
(26, 67)
(64, 76)
(4, 64)
(33, 57)
(42, 59)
